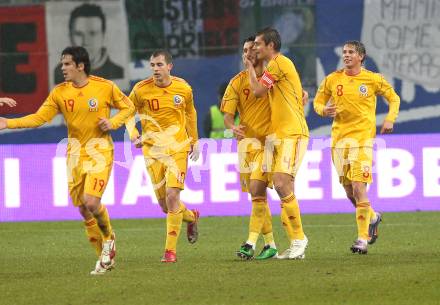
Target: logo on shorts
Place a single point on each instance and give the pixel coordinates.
(93, 105)
(363, 90)
(178, 100)
(366, 172)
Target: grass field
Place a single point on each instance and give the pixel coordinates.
(49, 263)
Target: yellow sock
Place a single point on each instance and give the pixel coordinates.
(267, 228)
(267, 225)
(94, 235)
(174, 224)
(286, 223)
(188, 215)
(291, 209)
(103, 221)
(363, 219)
(258, 216)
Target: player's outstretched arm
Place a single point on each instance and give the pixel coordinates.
(7, 101)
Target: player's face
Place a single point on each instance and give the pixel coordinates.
(87, 32)
(352, 59)
(70, 70)
(161, 70)
(261, 49)
(249, 52)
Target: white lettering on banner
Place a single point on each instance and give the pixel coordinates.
(309, 171)
(138, 183)
(188, 195)
(388, 173)
(12, 182)
(220, 176)
(338, 191)
(108, 198)
(59, 182)
(431, 172)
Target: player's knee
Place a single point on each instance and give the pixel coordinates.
(163, 205)
(257, 189)
(173, 199)
(359, 191)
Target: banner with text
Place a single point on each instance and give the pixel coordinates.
(33, 181)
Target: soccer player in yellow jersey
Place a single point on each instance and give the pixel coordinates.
(85, 102)
(168, 118)
(281, 83)
(251, 133)
(349, 97)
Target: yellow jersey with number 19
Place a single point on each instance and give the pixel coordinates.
(82, 108)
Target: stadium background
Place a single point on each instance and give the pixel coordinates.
(402, 41)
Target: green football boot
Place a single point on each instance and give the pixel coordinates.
(246, 252)
(267, 252)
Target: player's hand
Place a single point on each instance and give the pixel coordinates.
(8, 101)
(195, 152)
(305, 98)
(387, 127)
(239, 132)
(137, 142)
(246, 62)
(330, 110)
(3, 124)
(105, 124)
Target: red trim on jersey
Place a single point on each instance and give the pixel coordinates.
(267, 80)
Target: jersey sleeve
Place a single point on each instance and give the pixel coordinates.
(230, 99)
(271, 74)
(191, 118)
(322, 96)
(44, 114)
(125, 106)
(130, 123)
(387, 91)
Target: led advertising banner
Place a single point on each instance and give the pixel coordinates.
(33, 181)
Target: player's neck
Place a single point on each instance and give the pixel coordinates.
(165, 82)
(353, 71)
(273, 55)
(80, 81)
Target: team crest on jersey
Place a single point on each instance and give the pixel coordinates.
(178, 100)
(363, 90)
(93, 105)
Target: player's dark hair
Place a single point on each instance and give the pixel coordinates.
(87, 10)
(165, 53)
(359, 47)
(271, 35)
(249, 39)
(79, 55)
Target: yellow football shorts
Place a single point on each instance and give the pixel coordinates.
(167, 171)
(251, 168)
(353, 164)
(88, 175)
(288, 154)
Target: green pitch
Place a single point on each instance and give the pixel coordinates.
(49, 263)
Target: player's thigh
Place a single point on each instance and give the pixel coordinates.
(156, 170)
(76, 180)
(176, 169)
(98, 170)
(251, 168)
(361, 162)
(289, 154)
(342, 164)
